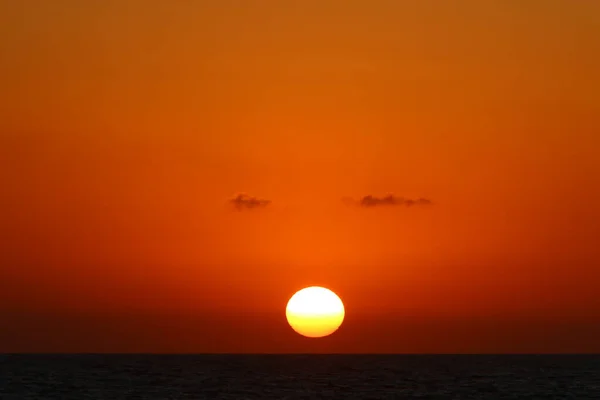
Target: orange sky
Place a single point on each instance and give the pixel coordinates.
(126, 126)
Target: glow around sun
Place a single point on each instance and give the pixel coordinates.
(315, 312)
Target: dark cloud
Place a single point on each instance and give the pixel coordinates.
(389, 200)
(245, 202)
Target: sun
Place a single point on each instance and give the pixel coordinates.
(315, 312)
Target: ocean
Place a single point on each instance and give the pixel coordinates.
(299, 377)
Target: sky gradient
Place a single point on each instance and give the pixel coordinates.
(127, 127)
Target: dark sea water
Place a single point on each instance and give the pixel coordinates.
(298, 377)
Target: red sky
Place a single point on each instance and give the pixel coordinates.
(126, 126)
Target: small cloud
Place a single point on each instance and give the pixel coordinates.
(417, 202)
(245, 202)
(389, 200)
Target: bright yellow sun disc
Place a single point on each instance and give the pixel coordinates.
(315, 312)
